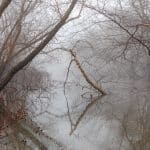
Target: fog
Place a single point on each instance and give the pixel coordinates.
(74, 75)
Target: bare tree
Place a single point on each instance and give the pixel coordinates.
(41, 45)
(118, 57)
(20, 44)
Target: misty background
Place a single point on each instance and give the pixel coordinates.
(88, 88)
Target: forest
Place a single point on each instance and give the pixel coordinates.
(74, 74)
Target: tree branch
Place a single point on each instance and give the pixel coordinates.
(4, 5)
(39, 48)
